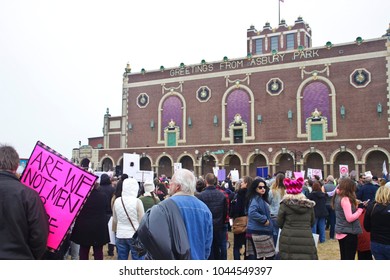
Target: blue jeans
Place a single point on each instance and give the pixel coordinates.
(73, 251)
(380, 251)
(123, 248)
(319, 228)
(331, 220)
(275, 229)
(222, 244)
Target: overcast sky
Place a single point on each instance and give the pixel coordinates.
(61, 62)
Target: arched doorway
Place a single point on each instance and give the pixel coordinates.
(107, 165)
(314, 161)
(286, 163)
(233, 162)
(165, 166)
(187, 163)
(256, 161)
(145, 164)
(374, 162)
(342, 158)
(85, 163)
(208, 162)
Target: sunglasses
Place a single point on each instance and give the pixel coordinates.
(260, 187)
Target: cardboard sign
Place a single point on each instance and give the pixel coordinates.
(235, 175)
(343, 168)
(300, 174)
(312, 172)
(144, 175)
(221, 174)
(62, 186)
(176, 166)
(131, 164)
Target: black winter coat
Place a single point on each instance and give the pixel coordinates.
(217, 203)
(91, 227)
(24, 227)
(237, 206)
(319, 198)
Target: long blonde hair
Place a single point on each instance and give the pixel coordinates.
(278, 185)
(382, 195)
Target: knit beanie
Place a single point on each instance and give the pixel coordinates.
(293, 186)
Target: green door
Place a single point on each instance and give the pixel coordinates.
(316, 132)
(238, 135)
(171, 139)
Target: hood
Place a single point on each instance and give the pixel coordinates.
(105, 179)
(130, 187)
(297, 203)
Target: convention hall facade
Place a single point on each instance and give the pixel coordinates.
(286, 105)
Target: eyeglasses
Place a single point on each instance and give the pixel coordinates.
(260, 187)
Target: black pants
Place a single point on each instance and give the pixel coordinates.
(239, 241)
(348, 247)
(364, 255)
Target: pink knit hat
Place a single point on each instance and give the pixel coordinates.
(293, 186)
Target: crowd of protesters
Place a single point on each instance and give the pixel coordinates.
(185, 217)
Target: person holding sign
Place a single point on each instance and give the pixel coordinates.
(24, 226)
(91, 228)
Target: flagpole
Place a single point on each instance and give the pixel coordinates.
(279, 12)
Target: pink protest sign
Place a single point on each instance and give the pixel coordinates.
(62, 186)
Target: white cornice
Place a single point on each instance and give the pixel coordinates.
(279, 66)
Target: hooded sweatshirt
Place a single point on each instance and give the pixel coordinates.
(134, 208)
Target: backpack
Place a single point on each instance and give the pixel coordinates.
(162, 233)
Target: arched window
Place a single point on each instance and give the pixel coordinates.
(237, 102)
(316, 96)
(172, 114)
(316, 107)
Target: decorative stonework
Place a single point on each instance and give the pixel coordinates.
(203, 94)
(315, 73)
(360, 78)
(165, 89)
(316, 119)
(142, 100)
(238, 82)
(275, 86)
(238, 124)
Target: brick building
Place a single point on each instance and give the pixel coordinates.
(286, 105)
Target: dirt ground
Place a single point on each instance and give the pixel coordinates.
(329, 250)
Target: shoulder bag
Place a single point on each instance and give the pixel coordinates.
(134, 241)
(239, 224)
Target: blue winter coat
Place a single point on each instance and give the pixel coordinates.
(258, 215)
